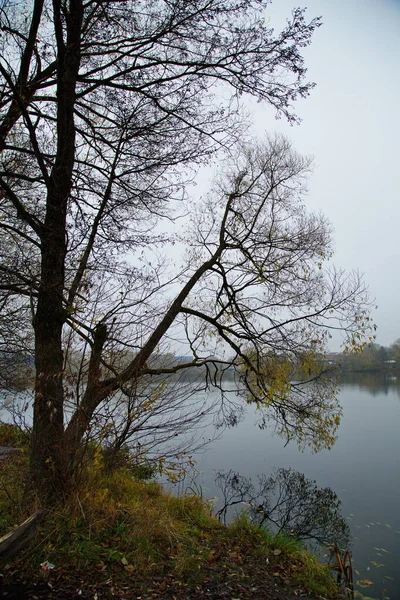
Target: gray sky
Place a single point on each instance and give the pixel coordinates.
(351, 125)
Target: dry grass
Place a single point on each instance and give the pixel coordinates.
(129, 527)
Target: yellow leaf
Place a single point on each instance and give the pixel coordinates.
(364, 583)
(129, 568)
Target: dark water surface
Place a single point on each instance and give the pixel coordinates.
(363, 468)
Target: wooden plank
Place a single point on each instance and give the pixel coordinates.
(17, 540)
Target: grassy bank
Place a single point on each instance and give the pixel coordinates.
(121, 532)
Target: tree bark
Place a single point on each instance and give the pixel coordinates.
(48, 461)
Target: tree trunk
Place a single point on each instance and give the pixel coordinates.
(48, 467)
(50, 471)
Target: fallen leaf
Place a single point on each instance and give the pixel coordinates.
(377, 564)
(129, 568)
(365, 582)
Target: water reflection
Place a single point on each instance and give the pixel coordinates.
(363, 468)
(373, 383)
(286, 501)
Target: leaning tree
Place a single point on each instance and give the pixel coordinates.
(106, 109)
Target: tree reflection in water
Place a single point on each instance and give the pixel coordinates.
(372, 383)
(286, 501)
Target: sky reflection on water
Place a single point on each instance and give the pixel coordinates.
(363, 469)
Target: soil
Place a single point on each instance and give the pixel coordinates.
(79, 586)
(234, 576)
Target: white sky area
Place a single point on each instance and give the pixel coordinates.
(351, 126)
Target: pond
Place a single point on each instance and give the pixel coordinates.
(363, 468)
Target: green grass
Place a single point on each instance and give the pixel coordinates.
(303, 567)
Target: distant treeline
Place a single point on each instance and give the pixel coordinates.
(374, 358)
(17, 370)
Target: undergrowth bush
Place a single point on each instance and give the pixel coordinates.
(13, 436)
(117, 458)
(17, 501)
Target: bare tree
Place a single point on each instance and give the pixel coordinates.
(262, 287)
(105, 107)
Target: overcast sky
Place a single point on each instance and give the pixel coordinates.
(351, 125)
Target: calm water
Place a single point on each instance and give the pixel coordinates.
(363, 469)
